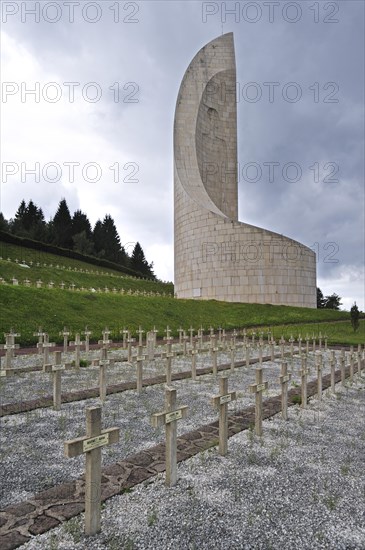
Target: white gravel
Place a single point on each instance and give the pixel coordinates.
(301, 486)
(27, 438)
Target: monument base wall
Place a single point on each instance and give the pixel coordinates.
(227, 260)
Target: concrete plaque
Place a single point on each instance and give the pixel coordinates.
(95, 442)
(225, 399)
(175, 415)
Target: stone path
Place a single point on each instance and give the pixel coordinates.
(68, 397)
(49, 508)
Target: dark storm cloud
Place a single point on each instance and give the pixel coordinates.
(154, 53)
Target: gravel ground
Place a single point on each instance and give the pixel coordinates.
(27, 438)
(301, 486)
(37, 384)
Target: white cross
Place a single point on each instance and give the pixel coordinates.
(284, 379)
(169, 418)
(257, 389)
(221, 402)
(91, 445)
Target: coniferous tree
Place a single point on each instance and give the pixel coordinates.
(320, 299)
(82, 233)
(31, 215)
(112, 245)
(62, 226)
(98, 239)
(4, 224)
(80, 223)
(17, 226)
(29, 222)
(139, 263)
(107, 241)
(20, 213)
(76, 233)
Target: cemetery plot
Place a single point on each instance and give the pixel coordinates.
(300, 487)
(32, 443)
(34, 384)
(261, 495)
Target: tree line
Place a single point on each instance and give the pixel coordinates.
(328, 302)
(76, 233)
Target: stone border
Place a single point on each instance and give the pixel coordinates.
(51, 507)
(69, 397)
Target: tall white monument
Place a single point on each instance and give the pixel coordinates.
(216, 256)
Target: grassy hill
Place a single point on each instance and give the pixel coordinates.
(59, 269)
(26, 308)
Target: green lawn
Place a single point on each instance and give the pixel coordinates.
(337, 332)
(25, 309)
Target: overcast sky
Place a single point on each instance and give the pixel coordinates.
(300, 74)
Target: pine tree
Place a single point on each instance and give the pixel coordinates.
(98, 239)
(4, 224)
(31, 215)
(20, 213)
(80, 223)
(62, 226)
(82, 233)
(29, 222)
(107, 241)
(17, 226)
(139, 263)
(320, 299)
(112, 246)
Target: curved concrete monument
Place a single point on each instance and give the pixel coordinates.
(216, 256)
